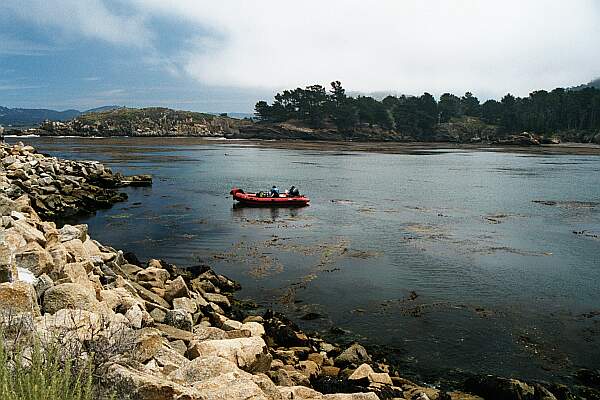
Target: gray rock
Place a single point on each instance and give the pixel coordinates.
(353, 355)
(43, 283)
(179, 319)
(218, 299)
(158, 315)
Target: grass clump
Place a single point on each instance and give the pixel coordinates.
(33, 373)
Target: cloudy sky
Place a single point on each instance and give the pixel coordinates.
(209, 55)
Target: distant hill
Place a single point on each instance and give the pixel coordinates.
(151, 121)
(33, 116)
(27, 117)
(30, 117)
(102, 109)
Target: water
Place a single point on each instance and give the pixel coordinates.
(442, 257)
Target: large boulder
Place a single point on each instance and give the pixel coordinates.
(202, 368)
(148, 342)
(153, 277)
(35, 259)
(76, 272)
(70, 232)
(76, 249)
(304, 393)
(30, 233)
(250, 354)
(232, 386)
(353, 355)
(118, 299)
(18, 297)
(127, 382)
(169, 359)
(288, 377)
(177, 288)
(255, 328)
(70, 295)
(146, 294)
(186, 304)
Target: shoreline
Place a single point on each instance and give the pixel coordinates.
(285, 337)
(567, 148)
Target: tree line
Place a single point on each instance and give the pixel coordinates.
(541, 112)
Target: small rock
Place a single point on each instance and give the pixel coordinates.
(230, 325)
(361, 373)
(179, 319)
(186, 304)
(179, 346)
(254, 318)
(158, 315)
(330, 371)
(283, 377)
(70, 232)
(255, 328)
(218, 299)
(309, 368)
(153, 277)
(42, 284)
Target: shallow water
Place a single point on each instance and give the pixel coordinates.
(443, 257)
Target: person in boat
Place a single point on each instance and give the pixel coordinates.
(274, 191)
(293, 191)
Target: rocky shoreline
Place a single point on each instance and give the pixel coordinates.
(166, 332)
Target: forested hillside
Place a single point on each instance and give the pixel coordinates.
(560, 112)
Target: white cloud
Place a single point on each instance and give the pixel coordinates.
(90, 18)
(408, 46)
(403, 45)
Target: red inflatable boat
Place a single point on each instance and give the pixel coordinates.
(281, 201)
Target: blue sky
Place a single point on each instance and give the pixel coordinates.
(224, 56)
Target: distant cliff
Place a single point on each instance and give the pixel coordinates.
(154, 121)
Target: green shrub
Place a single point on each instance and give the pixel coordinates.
(34, 373)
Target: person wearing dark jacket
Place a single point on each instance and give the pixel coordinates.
(274, 191)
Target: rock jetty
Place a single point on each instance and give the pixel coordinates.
(61, 188)
(162, 332)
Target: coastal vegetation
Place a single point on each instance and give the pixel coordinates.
(560, 112)
(36, 373)
(151, 121)
(316, 113)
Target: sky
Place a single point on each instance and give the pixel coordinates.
(223, 56)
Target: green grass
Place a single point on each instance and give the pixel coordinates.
(42, 374)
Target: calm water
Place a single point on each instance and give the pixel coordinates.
(444, 258)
